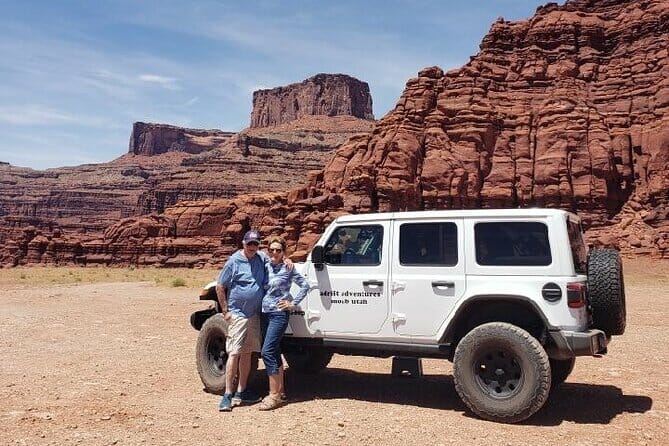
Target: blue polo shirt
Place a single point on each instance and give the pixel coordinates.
(245, 282)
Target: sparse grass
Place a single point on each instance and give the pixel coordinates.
(178, 282)
(164, 277)
(637, 271)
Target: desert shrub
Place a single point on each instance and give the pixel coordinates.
(178, 282)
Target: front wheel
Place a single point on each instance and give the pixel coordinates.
(501, 372)
(211, 356)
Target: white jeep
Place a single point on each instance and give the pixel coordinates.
(510, 296)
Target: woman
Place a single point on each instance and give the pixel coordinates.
(276, 307)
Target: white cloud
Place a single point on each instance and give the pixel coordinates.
(168, 83)
(33, 114)
(190, 102)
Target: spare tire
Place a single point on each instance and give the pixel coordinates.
(606, 291)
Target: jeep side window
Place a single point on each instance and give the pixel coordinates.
(429, 244)
(512, 244)
(578, 251)
(354, 245)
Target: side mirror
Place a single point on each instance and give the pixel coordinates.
(317, 257)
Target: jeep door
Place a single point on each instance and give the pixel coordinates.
(352, 294)
(428, 274)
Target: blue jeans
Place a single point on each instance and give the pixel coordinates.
(273, 327)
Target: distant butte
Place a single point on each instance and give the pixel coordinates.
(320, 95)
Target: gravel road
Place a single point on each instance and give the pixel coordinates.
(113, 363)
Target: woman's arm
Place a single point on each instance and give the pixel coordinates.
(303, 284)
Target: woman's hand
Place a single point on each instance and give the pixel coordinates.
(285, 305)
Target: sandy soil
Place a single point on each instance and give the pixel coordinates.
(113, 363)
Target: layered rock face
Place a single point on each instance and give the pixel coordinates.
(49, 216)
(323, 94)
(569, 109)
(153, 139)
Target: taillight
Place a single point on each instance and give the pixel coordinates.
(576, 294)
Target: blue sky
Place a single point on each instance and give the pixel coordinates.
(75, 74)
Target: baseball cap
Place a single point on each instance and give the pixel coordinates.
(252, 236)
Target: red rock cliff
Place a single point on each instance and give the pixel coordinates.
(323, 94)
(568, 109)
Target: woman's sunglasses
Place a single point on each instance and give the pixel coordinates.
(275, 250)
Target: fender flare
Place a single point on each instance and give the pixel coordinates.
(447, 336)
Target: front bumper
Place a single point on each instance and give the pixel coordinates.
(567, 344)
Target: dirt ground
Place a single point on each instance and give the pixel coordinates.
(113, 363)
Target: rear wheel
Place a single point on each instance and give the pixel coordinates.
(501, 372)
(308, 360)
(606, 291)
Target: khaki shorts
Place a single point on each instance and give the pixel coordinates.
(243, 335)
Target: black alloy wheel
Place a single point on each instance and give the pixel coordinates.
(217, 357)
(499, 373)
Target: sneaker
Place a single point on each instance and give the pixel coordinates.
(245, 397)
(226, 403)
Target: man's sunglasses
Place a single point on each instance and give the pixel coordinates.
(252, 243)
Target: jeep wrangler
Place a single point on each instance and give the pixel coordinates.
(510, 296)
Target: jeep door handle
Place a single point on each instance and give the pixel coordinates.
(440, 284)
(372, 283)
(399, 317)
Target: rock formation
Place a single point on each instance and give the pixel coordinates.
(154, 139)
(323, 94)
(45, 216)
(569, 109)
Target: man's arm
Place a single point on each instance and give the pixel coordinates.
(222, 285)
(222, 298)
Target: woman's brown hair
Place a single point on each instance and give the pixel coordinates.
(277, 239)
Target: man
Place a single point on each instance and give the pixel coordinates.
(240, 289)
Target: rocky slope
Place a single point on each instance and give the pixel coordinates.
(567, 109)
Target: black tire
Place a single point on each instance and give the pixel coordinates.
(501, 372)
(606, 291)
(210, 354)
(309, 360)
(211, 357)
(560, 370)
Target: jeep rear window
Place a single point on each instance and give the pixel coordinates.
(578, 251)
(512, 244)
(429, 244)
(355, 245)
